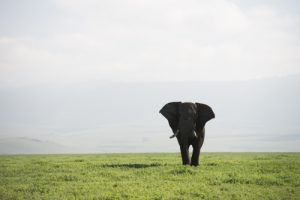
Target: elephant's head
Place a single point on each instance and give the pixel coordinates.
(185, 118)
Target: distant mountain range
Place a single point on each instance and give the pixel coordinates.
(254, 115)
(23, 145)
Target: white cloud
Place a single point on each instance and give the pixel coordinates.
(154, 40)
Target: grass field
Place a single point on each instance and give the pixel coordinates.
(150, 176)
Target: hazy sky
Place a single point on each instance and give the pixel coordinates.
(71, 41)
(69, 71)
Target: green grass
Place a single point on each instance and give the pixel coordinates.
(150, 176)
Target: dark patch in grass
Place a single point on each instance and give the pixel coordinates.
(134, 165)
(79, 160)
(211, 164)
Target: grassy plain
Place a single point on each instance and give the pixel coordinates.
(150, 176)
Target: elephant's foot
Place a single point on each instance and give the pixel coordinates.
(194, 164)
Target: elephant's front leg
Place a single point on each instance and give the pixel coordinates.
(197, 144)
(184, 149)
(196, 154)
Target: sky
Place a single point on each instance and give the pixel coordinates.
(68, 68)
(72, 41)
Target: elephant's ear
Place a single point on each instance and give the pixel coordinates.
(170, 112)
(205, 113)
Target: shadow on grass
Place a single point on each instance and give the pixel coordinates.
(133, 165)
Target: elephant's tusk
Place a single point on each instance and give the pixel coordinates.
(174, 135)
(195, 134)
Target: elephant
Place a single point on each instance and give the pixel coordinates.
(187, 121)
